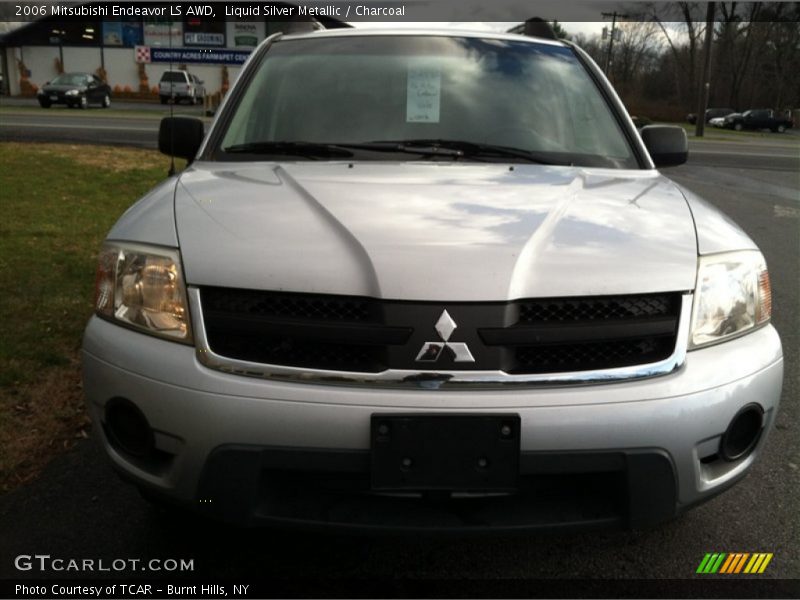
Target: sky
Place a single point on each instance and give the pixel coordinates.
(586, 27)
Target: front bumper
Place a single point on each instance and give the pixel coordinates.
(61, 98)
(250, 451)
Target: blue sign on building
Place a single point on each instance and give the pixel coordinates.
(197, 55)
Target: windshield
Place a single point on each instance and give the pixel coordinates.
(536, 98)
(70, 79)
(174, 76)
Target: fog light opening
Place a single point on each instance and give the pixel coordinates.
(128, 429)
(743, 433)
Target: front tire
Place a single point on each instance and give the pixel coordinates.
(106, 101)
(44, 103)
(83, 103)
(738, 127)
(781, 128)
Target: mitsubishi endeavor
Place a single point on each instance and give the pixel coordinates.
(429, 281)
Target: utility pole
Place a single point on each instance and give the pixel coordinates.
(705, 85)
(613, 16)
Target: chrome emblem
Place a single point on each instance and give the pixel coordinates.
(431, 351)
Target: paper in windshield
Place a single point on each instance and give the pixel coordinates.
(423, 95)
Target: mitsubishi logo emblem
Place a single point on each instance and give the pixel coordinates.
(431, 351)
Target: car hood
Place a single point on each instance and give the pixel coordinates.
(434, 231)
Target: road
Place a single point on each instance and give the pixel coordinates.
(140, 128)
(135, 125)
(78, 507)
(774, 154)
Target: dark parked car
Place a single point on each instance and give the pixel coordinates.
(711, 113)
(762, 118)
(75, 89)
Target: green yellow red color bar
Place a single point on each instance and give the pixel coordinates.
(733, 563)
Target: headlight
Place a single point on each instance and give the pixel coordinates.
(733, 296)
(142, 287)
(71, 93)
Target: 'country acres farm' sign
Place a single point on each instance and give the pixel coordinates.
(148, 54)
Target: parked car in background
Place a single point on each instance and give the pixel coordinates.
(762, 118)
(711, 113)
(181, 85)
(75, 90)
(717, 122)
(727, 121)
(429, 281)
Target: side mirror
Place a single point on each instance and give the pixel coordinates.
(180, 136)
(668, 145)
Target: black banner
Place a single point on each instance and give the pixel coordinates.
(392, 11)
(180, 588)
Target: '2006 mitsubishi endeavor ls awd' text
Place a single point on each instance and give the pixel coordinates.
(429, 280)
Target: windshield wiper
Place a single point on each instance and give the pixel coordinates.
(340, 150)
(429, 149)
(424, 147)
(468, 149)
(306, 149)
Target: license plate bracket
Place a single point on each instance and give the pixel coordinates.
(468, 453)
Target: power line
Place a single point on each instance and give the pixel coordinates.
(613, 16)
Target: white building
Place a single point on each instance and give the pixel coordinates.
(119, 48)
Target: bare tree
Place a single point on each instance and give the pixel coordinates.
(656, 62)
(678, 22)
(636, 52)
(740, 31)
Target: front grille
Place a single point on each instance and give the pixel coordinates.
(291, 352)
(559, 310)
(354, 334)
(294, 306)
(581, 357)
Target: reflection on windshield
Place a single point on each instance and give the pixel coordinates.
(349, 90)
(69, 79)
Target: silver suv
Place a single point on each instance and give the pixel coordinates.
(429, 281)
(179, 85)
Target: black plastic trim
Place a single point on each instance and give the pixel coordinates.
(559, 333)
(240, 479)
(316, 330)
(574, 333)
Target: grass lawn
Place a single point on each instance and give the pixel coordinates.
(58, 202)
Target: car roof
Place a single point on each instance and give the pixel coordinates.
(369, 32)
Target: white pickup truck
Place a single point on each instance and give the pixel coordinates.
(180, 85)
